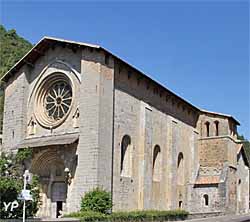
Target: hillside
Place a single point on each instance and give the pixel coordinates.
(12, 48)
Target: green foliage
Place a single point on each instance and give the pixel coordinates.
(152, 215)
(88, 216)
(246, 145)
(23, 154)
(12, 49)
(9, 190)
(97, 200)
(11, 184)
(32, 206)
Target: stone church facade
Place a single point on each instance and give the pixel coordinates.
(93, 120)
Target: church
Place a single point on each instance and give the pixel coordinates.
(93, 120)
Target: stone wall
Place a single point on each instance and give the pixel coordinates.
(15, 106)
(96, 122)
(145, 115)
(215, 151)
(92, 81)
(62, 60)
(242, 185)
(220, 153)
(211, 119)
(198, 204)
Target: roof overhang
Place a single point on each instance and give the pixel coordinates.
(64, 139)
(39, 50)
(205, 180)
(49, 42)
(222, 115)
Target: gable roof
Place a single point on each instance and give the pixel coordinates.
(38, 50)
(46, 42)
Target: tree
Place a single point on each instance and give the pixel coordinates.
(11, 184)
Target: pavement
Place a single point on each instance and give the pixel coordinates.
(231, 218)
(60, 220)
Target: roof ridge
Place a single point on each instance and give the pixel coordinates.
(47, 38)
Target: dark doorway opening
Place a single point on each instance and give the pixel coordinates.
(59, 208)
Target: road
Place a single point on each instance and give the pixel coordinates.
(241, 218)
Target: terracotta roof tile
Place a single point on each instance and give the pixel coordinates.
(208, 180)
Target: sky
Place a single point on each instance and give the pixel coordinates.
(197, 49)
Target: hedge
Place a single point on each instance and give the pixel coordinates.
(152, 215)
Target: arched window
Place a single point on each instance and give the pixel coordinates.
(180, 169)
(180, 204)
(207, 128)
(216, 128)
(206, 199)
(157, 163)
(126, 156)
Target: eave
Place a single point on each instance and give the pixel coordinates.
(49, 42)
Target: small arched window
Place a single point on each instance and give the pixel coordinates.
(180, 204)
(207, 128)
(180, 169)
(126, 156)
(206, 199)
(157, 163)
(216, 128)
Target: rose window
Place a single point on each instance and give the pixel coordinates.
(58, 100)
(53, 100)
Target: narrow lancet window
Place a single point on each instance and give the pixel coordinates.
(126, 157)
(216, 128)
(157, 163)
(180, 169)
(206, 200)
(207, 129)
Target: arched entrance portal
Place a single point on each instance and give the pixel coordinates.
(49, 166)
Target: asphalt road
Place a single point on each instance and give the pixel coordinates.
(242, 218)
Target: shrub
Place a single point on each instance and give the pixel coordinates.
(153, 215)
(97, 200)
(150, 215)
(88, 216)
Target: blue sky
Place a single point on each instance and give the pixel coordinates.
(199, 50)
